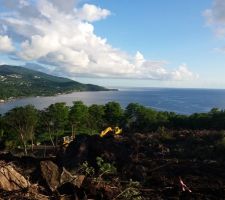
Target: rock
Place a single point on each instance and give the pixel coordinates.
(76, 180)
(51, 174)
(55, 179)
(11, 180)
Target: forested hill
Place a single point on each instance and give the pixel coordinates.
(19, 82)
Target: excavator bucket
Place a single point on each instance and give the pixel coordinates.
(118, 130)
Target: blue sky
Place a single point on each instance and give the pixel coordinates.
(119, 42)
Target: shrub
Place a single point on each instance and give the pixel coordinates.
(104, 167)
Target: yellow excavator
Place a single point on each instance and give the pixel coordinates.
(116, 131)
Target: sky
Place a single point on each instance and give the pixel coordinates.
(138, 43)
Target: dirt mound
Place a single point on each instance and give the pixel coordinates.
(88, 148)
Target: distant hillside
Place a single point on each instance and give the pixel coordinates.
(19, 82)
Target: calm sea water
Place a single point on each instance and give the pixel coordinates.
(184, 101)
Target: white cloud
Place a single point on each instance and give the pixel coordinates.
(64, 6)
(39, 46)
(183, 73)
(62, 36)
(215, 17)
(12, 4)
(5, 44)
(216, 14)
(139, 59)
(92, 13)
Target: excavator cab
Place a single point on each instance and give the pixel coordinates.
(67, 140)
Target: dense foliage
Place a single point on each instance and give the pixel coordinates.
(18, 81)
(26, 125)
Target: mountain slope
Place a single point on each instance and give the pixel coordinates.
(18, 81)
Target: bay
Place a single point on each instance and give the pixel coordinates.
(183, 101)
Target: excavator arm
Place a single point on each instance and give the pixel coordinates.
(104, 132)
(116, 131)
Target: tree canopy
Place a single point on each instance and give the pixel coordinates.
(58, 120)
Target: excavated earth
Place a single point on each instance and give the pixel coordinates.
(181, 165)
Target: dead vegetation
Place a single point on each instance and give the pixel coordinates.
(162, 165)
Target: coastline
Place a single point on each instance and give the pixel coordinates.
(2, 101)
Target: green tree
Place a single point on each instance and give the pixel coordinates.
(1, 126)
(96, 117)
(162, 119)
(217, 119)
(113, 114)
(140, 118)
(23, 121)
(177, 121)
(78, 116)
(55, 118)
(131, 115)
(2, 131)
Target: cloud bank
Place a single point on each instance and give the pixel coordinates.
(62, 35)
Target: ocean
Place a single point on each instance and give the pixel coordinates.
(183, 101)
